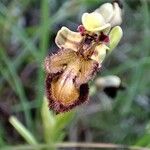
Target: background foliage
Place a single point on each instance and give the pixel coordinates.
(28, 29)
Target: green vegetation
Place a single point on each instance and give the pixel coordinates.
(28, 29)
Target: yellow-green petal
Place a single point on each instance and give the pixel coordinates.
(94, 22)
(115, 36)
(99, 53)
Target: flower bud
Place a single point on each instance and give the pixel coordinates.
(108, 81)
(110, 85)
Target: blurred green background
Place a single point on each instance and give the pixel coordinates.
(27, 32)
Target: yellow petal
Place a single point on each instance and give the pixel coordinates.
(94, 22)
(66, 38)
(99, 53)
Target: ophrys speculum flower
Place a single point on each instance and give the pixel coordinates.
(78, 59)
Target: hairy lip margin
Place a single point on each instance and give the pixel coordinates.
(56, 106)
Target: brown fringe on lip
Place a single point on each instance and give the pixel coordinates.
(56, 106)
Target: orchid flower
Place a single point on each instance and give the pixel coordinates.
(78, 59)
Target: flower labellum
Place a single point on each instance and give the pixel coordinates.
(78, 59)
